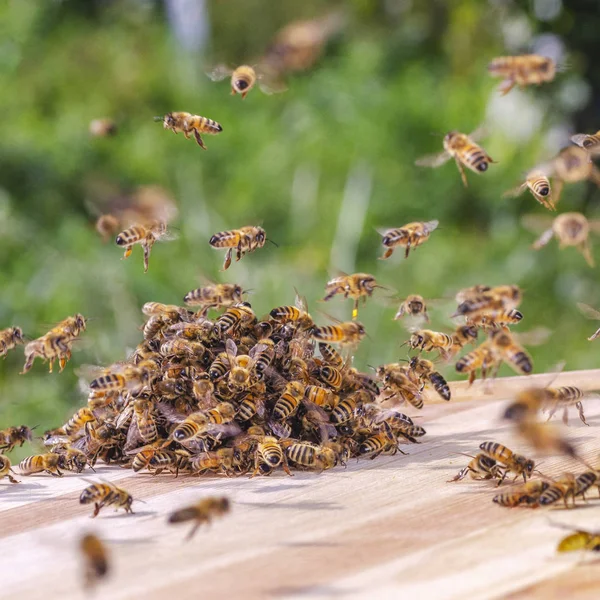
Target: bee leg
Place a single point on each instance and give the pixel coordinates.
(286, 467)
(503, 477)
(558, 185)
(579, 407)
(193, 530)
(355, 310)
(51, 366)
(407, 251)
(462, 173)
(565, 416)
(28, 363)
(244, 94)
(506, 86)
(199, 140)
(586, 250)
(12, 479)
(387, 254)
(97, 507)
(128, 251)
(62, 363)
(147, 249)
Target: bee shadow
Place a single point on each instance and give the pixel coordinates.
(313, 590)
(294, 505)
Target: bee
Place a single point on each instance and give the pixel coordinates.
(346, 409)
(428, 341)
(570, 229)
(487, 301)
(329, 375)
(193, 426)
(332, 356)
(190, 124)
(297, 314)
(481, 358)
(269, 452)
(75, 459)
(95, 555)
(240, 368)
(312, 456)
(349, 333)
(590, 313)
(408, 236)
(425, 369)
(508, 460)
(215, 295)
(399, 423)
(480, 467)
(527, 493)
(570, 165)
(383, 442)
(121, 377)
(463, 335)
(106, 494)
(5, 469)
(48, 463)
(589, 142)
(538, 184)
(401, 383)
(12, 436)
(103, 127)
(171, 312)
(463, 149)
(144, 235)
(201, 512)
(49, 347)
(505, 346)
(143, 424)
(245, 77)
(233, 318)
(584, 481)
(76, 423)
(528, 69)
(262, 354)
(9, 338)
(561, 488)
(287, 404)
(175, 461)
(544, 437)
(356, 286)
(580, 540)
(252, 404)
(499, 319)
(243, 240)
(414, 305)
(219, 461)
(321, 396)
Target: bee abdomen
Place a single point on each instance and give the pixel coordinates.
(523, 362)
(570, 393)
(272, 455)
(440, 385)
(551, 495)
(284, 407)
(303, 454)
(585, 481)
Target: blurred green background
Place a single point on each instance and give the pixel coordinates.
(320, 166)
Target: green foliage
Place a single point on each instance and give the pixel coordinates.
(350, 128)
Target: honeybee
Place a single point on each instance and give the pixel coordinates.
(496, 319)
(346, 409)
(589, 142)
(240, 367)
(561, 488)
(584, 481)
(312, 456)
(263, 354)
(190, 124)
(5, 469)
(349, 333)
(120, 377)
(399, 423)
(463, 335)
(570, 165)
(106, 494)
(579, 540)
(245, 77)
(288, 402)
(270, 453)
(329, 375)
(413, 305)
(526, 493)
(401, 383)
(356, 286)
(215, 295)
(12, 436)
(545, 437)
(333, 357)
(507, 349)
(425, 369)
(487, 301)
(143, 425)
(570, 229)
(95, 555)
(508, 460)
(297, 314)
(482, 358)
(463, 149)
(528, 69)
(201, 512)
(428, 341)
(9, 338)
(590, 313)
(234, 318)
(243, 240)
(480, 467)
(49, 347)
(408, 236)
(538, 184)
(102, 127)
(49, 463)
(383, 442)
(144, 235)
(76, 423)
(219, 461)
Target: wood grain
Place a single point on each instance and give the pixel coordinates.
(385, 528)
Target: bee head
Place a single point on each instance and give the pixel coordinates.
(261, 236)
(169, 120)
(18, 334)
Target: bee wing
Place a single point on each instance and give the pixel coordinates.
(224, 429)
(594, 225)
(133, 435)
(433, 160)
(431, 225)
(125, 415)
(579, 138)
(534, 337)
(87, 373)
(300, 301)
(167, 236)
(257, 349)
(589, 312)
(170, 413)
(480, 133)
(543, 239)
(231, 350)
(278, 429)
(272, 86)
(536, 223)
(219, 72)
(514, 192)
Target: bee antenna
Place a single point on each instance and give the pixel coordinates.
(92, 468)
(272, 242)
(34, 427)
(159, 118)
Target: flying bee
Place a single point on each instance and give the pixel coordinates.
(538, 184)
(245, 77)
(9, 438)
(106, 494)
(121, 377)
(287, 404)
(463, 149)
(9, 338)
(590, 313)
(215, 295)
(528, 69)
(47, 463)
(487, 301)
(579, 540)
(5, 469)
(414, 305)
(526, 493)
(49, 347)
(497, 319)
(589, 142)
(480, 467)
(349, 333)
(297, 314)
(510, 351)
(570, 165)
(544, 437)
(428, 341)
(95, 556)
(190, 124)
(102, 127)
(144, 235)
(171, 312)
(355, 286)
(570, 229)
(269, 452)
(508, 460)
(234, 318)
(482, 358)
(463, 335)
(201, 512)
(425, 369)
(243, 241)
(408, 236)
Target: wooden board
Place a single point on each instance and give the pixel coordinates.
(388, 528)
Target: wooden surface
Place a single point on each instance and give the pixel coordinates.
(388, 528)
